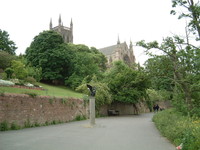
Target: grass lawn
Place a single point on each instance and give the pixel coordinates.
(50, 90)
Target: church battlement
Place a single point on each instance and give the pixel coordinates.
(65, 32)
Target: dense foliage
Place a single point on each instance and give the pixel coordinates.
(103, 95)
(62, 62)
(126, 84)
(184, 64)
(190, 12)
(86, 63)
(180, 73)
(5, 59)
(49, 52)
(6, 44)
(179, 129)
(19, 70)
(160, 70)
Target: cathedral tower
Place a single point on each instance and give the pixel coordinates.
(65, 32)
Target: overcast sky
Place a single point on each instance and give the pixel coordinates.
(96, 22)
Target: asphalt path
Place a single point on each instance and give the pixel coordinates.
(110, 133)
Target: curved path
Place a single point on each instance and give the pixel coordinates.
(110, 133)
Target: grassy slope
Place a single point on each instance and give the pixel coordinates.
(58, 91)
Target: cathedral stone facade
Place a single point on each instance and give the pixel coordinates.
(65, 32)
(121, 51)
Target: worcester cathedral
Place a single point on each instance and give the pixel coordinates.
(120, 51)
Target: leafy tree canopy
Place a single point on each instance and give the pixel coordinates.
(160, 71)
(49, 52)
(127, 85)
(86, 63)
(19, 69)
(64, 62)
(6, 44)
(42, 44)
(5, 59)
(183, 64)
(190, 11)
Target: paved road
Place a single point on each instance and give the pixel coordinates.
(111, 133)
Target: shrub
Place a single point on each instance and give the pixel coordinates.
(4, 126)
(19, 69)
(33, 95)
(27, 124)
(54, 122)
(37, 124)
(47, 123)
(5, 59)
(14, 126)
(80, 117)
(9, 72)
(51, 101)
(64, 101)
(86, 100)
(2, 93)
(30, 80)
(21, 84)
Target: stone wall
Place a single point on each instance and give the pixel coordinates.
(20, 109)
(125, 109)
(130, 109)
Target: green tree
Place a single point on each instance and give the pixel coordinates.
(19, 69)
(49, 52)
(86, 63)
(9, 72)
(127, 85)
(5, 59)
(186, 75)
(190, 11)
(160, 71)
(34, 72)
(184, 58)
(6, 44)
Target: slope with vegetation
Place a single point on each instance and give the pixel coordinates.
(46, 90)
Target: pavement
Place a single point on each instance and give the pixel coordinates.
(134, 132)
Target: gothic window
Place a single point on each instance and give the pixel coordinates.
(127, 59)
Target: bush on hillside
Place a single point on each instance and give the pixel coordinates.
(30, 80)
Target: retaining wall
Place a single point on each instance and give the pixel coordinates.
(20, 109)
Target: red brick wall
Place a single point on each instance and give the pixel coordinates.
(19, 109)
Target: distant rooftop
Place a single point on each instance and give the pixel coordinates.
(110, 49)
